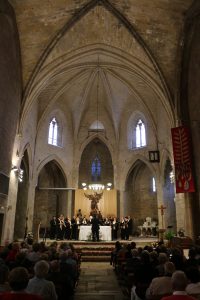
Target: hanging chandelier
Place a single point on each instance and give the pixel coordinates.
(97, 186)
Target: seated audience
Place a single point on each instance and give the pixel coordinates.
(193, 287)
(18, 280)
(4, 271)
(10, 259)
(114, 253)
(179, 283)
(162, 259)
(162, 285)
(178, 258)
(39, 285)
(34, 255)
(62, 281)
(191, 261)
(144, 274)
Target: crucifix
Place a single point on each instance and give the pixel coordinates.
(162, 208)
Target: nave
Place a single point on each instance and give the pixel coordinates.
(98, 281)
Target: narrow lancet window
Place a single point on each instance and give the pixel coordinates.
(53, 133)
(140, 134)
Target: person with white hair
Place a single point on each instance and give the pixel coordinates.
(39, 285)
(179, 283)
(162, 285)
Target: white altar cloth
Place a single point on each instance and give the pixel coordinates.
(85, 233)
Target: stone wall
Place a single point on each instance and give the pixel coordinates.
(10, 86)
(189, 104)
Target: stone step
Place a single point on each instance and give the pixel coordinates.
(92, 252)
(92, 258)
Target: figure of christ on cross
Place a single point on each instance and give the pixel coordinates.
(162, 208)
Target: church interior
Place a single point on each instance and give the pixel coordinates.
(90, 90)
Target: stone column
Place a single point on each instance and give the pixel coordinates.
(10, 209)
(30, 205)
(121, 203)
(69, 203)
(184, 213)
(180, 211)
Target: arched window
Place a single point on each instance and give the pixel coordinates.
(153, 185)
(96, 169)
(140, 134)
(53, 132)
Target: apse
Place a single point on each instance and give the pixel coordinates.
(96, 164)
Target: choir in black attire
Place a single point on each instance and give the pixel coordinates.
(61, 228)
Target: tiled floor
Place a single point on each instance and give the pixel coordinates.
(98, 282)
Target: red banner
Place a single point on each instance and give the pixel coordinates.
(182, 160)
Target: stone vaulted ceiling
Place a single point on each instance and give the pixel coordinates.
(75, 56)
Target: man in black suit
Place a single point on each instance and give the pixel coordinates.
(53, 228)
(95, 228)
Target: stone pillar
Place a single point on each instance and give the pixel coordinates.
(30, 205)
(10, 209)
(180, 211)
(69, 201)
(189, 230)
(10, 86)
(184, 213)
(121, 204)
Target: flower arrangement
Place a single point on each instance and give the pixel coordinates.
(169, 236)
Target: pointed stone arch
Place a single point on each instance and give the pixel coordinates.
(96, 147)
(51, 196)
(139, 199)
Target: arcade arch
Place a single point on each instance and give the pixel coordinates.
(139, 199)
(51, 195)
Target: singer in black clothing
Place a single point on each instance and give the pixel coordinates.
(95, 228)
(53, 228)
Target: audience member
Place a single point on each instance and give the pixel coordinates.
(39, 285)
(179, 283)
(62, 281)
(193, 276)
(4, 271)
(18, 280)
(162, 259)
(162, 285)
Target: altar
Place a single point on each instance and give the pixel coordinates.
(85, 233)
